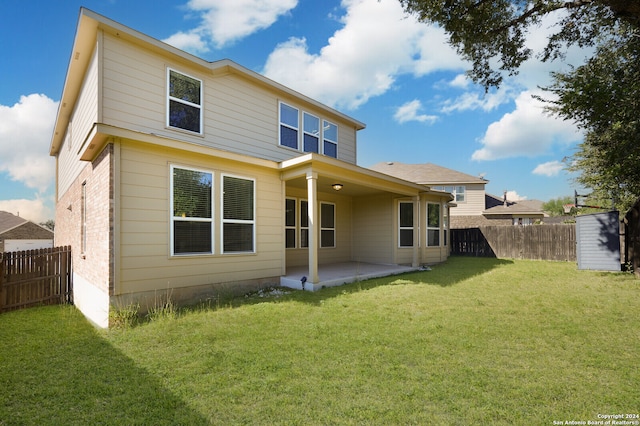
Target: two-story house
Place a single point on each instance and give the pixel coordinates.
(182, 177)
(473, 206)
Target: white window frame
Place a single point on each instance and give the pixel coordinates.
(314, 133)
(459, 192)
(434, 228)
(304, 212)
(281, 124)
(325, 125)
(445, 223)
(210, 220)
(293, 227)
(324, 228)
(405, 228)
(184, 102)
(224, 221)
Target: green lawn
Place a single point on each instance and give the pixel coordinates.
(474, 341)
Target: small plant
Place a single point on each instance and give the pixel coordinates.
(124, 317)
(163, 307)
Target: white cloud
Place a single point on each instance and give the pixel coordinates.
(527, 131)
(461, 81)
(550, 168)
(25, 136)
(514, 196)
(410, 111)
(470, 101)
(377, 43)
(190, 42)
(226, 21)
(35, 210)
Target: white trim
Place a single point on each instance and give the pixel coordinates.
(182, 101)
(406, 228)
(280, 124)
(239, 221)
(173, 218)
(322, 228)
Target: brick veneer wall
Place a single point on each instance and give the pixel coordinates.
(96, 263)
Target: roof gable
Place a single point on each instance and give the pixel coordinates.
(91, 23)
(9, 221)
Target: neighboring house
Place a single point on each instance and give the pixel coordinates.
(18, 234)
(473, 206)
(192, 178)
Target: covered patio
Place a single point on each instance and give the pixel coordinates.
(336, 274)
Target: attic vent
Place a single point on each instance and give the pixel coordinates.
(77, 56)
(389, 163)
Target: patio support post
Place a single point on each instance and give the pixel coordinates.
(416, 231)
(312, 196)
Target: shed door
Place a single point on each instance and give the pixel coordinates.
(598, 239)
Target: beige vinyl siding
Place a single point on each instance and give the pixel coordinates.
(474, 203)
(238, 115)
(342, 252)
(84, 115)
(146, 263)
(373, 236)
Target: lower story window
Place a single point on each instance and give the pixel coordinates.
(327, 225)
(238, 215)
(433, 224)
(290, 222)
(405, 233)
(192, 221)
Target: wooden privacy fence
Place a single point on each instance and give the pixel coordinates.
(632, 238)
(35, 277)
(536, 242)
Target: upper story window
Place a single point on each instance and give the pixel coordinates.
(184, 102)
(311, 133)
(304, 132)
(329, 139)
(289, 126)
(459, 192)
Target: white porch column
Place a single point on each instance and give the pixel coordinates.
(314, 226)
(416, 232)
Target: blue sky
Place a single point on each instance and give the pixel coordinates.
(364, 57)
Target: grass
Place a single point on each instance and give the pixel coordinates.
(474, 341)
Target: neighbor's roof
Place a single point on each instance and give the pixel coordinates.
(516, 207)
(89, 24)
(9, 221)
(426, 174)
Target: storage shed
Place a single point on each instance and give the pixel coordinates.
(598, 241)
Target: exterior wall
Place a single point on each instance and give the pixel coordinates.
(26, 231)
(373, 237)
(238, 115)
(84, 115)
(93, 267)
(143, 242)
(342, 251)
(474, 203)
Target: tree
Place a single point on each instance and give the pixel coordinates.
(49, 224)
(555, 207)
(602, 96)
